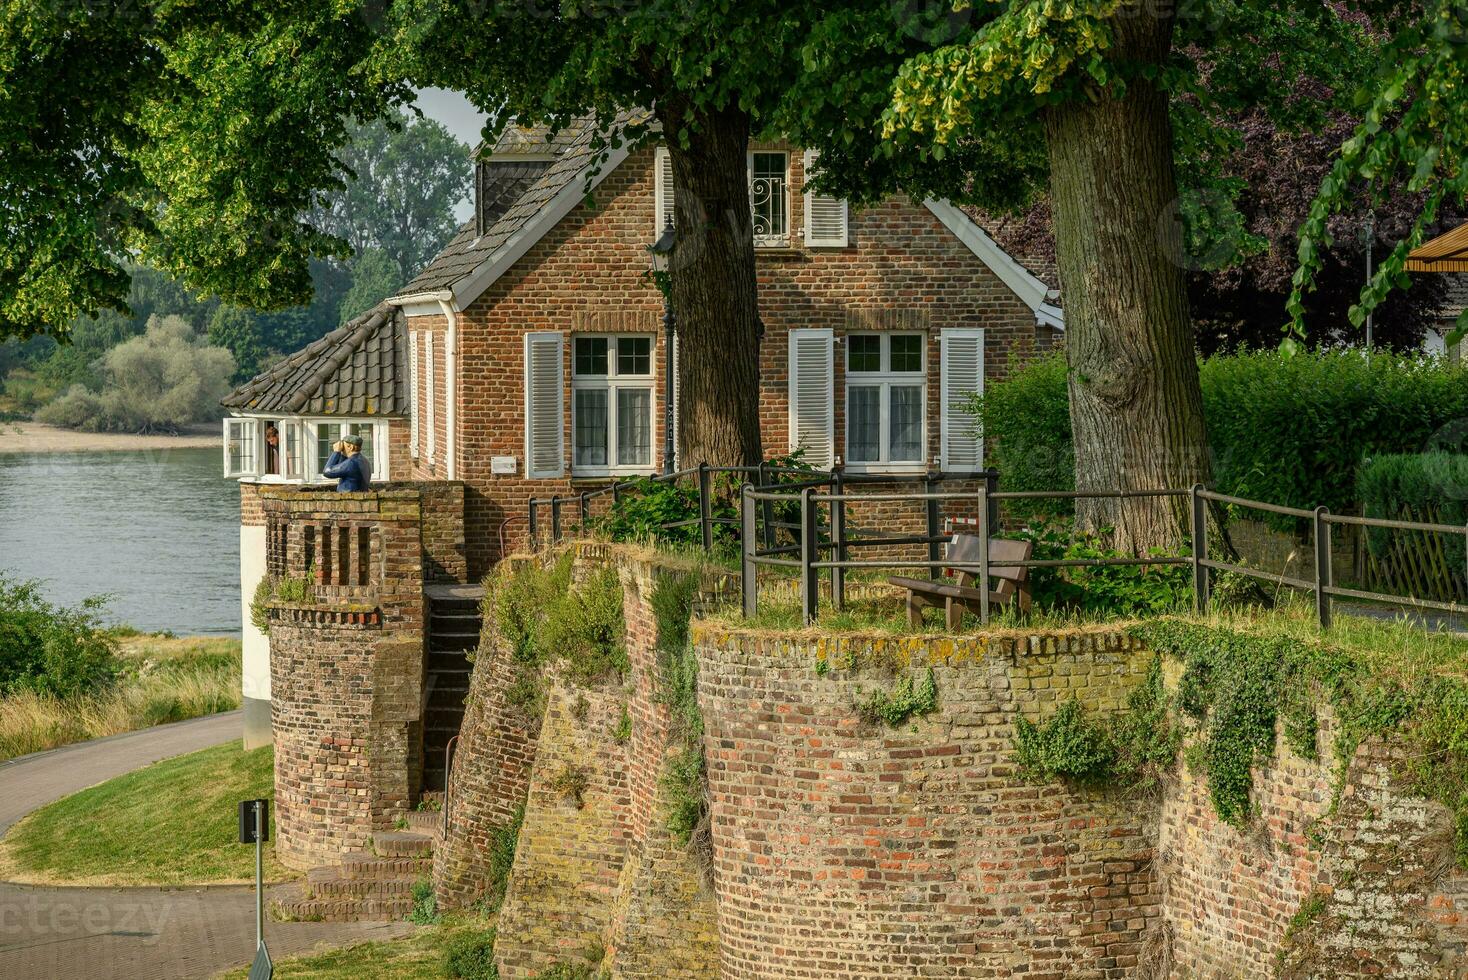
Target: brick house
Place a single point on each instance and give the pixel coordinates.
(529, 358)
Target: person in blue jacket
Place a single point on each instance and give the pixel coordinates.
(348, 466)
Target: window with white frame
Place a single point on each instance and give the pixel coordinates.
(611, 403)
(769, 200)
(329, 433)
(886, 399)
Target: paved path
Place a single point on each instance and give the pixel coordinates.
(147, 933)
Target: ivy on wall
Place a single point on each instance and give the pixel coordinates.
(684, 778)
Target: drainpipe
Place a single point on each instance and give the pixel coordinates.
(451, 386)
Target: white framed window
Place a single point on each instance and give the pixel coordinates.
(886, 401)
(612, 399)
(292, 449)
(241, 437)
(769, 197)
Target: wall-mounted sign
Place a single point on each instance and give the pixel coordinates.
(503, 465)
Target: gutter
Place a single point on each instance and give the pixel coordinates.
(451, 385)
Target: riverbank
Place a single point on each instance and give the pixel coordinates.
(33, 437)
(164, 679)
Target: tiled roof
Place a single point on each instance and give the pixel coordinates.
(355, 370)
(572, 147)
(1455, 297)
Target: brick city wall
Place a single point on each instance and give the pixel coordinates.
(903, 269)
(347, 664)
(598, 873)
(851, 849)
(1391, 904)
(848, 849)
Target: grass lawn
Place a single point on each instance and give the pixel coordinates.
(163, 679)
(421, 956)
(174, 822)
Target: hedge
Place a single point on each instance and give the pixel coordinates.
(1289, 431)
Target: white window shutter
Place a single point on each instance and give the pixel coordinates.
(826, 218)
(413, 393)
(677, 399)
(545, 406)
(663, 193)
(812, 397)
(962, 358)
(430, 399)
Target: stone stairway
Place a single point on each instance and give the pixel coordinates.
(370, 887)
(453, 633)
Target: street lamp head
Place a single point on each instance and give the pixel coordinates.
(660, 252)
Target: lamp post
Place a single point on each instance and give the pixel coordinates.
(660, 254)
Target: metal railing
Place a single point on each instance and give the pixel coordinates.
(810, 543)
(812, 548)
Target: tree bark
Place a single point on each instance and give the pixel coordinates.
(714, 290)
(1136, 408)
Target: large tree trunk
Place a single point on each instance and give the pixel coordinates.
(1135, 405)
(714, 291)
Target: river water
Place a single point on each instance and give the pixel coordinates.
(157, 529)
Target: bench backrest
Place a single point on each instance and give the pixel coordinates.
(963, 554)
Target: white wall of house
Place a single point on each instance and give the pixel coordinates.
(256, 681)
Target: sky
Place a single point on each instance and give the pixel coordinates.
(461, 119)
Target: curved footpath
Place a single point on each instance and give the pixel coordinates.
(146, 933)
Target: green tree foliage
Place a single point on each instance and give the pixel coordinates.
(374, 278)
(50, 649)
(1411, 135)
(408, 174)
(154, 383)
(1291, 431)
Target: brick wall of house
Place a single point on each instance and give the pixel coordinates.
(251, 513)
(904, 270)
(346, 667)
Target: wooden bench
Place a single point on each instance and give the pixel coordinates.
(961, 555)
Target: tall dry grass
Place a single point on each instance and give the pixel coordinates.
(166, 679)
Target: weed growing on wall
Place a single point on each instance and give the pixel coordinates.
(502, 843)
(281, 588)
(571, 782)
(906, 700)
(542, 620)
(623, 731)
(1132, 750)
(683, 780)
(425, 905)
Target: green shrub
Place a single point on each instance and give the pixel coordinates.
(1119, 590)
(470, 956)
(425, 904)
(1069, 745)
(517, 599)
(1287, 431)
(1026, 424)
(1132, 750)
(52, 650)
(585, 628)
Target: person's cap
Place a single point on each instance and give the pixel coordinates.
(354, 441)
